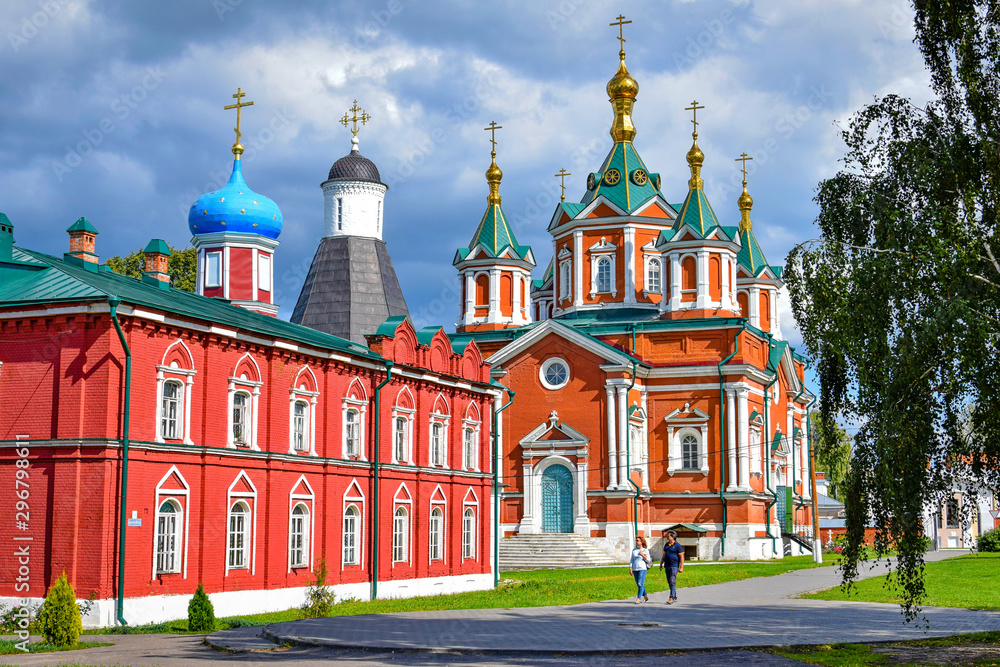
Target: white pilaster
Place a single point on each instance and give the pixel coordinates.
(578, 267)
(494, 315)
(675, 282)
(703, 296)
(623, 473)
(725, 299)
(753, 297)
(743, 416)
(630, 265)
(731, 440)
(470, 298)
(612, 448)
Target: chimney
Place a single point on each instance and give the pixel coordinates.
(82, 237)
(6, 239)
(157, 255)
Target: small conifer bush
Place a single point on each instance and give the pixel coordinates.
(59, 620)
(990, 541)
(201, 614)
(319, 596)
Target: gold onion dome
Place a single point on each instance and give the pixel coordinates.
(622, 84)
(493, 177)
(745, 202)
(695, 159)
(622, 91)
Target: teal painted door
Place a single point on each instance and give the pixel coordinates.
(779, 508)
(557, 500)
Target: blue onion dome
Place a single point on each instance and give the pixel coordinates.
(235, 208)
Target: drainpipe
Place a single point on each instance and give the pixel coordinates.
(767, 454)
(113, 301)
(722, 432)
(375, 481)
(496, 488)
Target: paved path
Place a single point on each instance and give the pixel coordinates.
(752, 612)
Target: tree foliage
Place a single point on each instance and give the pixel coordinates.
(59, 619)
(183, 266)
(201, 613)
(899, 299)
(833, 451)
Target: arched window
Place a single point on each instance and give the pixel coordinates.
(714, 277)
(953, 515)
(564, 280)
(300, 419)
(482, 290)
(401, 436)
(469, 533)
(744, 303)
(351, 516)
(689, 279)
(469, 450)
(170, 410)
(239, 527)
(765, 311)
(352, 434)
(635, 446)
(653, 276)
(437, 443)
(400, 533)
(298, 536)
(436, 533)
(168, 522)
(241, 419)
(689, 451)
(603, 281)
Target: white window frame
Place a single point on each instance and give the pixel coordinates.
(681, 422)
(180, 499)
(357, 408)
(690, 436)
(566, 280)
(184, 376)
(238, 555)
(654, 267)
(210, 257)
(175, 402)
(400, 539)
(246, 386)
(598, 252)
(441, 421)
(176, 518)
(340, 213)
(406, 416)
(302, 532)
(309, 398)
(245, 402)
(435, 542)
(546, 365)
(249, 499)
(356, 537)
(263, 272)
(470, 447)
(470, 545)
(680, 279)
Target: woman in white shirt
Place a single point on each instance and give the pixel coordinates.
(638, 565)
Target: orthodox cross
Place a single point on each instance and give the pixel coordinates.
(743, 158)
(363, 118)
(694, 108)
(562, 182)
(238, 106)
(492, 129)
(621, 23)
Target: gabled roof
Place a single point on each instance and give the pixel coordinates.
(625, 193)
(494, 235)
(536, 333)
(46, 279)
(82, 225)
(750, 255)
(696, 212)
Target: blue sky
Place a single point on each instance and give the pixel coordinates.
(113, 110)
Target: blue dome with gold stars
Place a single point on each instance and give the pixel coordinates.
(235, 208)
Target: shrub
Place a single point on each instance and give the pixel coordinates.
(59, 620)
(241, 623)
(990, 541)
(201, 614)
(319, 596)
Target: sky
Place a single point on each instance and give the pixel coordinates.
(112, 110)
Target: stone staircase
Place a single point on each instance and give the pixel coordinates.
(550, 551)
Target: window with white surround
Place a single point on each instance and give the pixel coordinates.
(436, 533)
(602, 268)
(171, 407)
(437, 451)
(400, 535)
(340, 214)
(303, 397)
(401, 440)
(213, 269)
(239, 538)
(690, 454)
(470, 448)
(554, 373)
(300, 426)
(298, 537)
(687, 433)
(653, 276)
(603, 280)
(241, 418)
(264, 272)
(168, 537)
(378, 220)
(565, 280)
(354, 407)
(469, 533)
(437, 444)
(352, 433)
(351, 524)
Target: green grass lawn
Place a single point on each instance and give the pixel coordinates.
(531, 588)
(890, 653)
(971, 581)
(9, 647)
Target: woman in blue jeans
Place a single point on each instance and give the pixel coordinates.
(638, 565)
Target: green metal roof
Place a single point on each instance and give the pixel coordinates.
(696, 212)
(777, 352)
(426, 335)
(158, 246)
(776, 443)
(549, 270)
(750, 255)
(625, 193)
(495, 235)
(82, 225)
(687, 526)
(388, 328)
(46, 279)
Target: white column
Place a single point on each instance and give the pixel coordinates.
(743, 416)
(494, 315)
(515, 296)
(623, 473)
(253, 426)
(645, 442)
(629, 265)
(665, 288)
(725, 300)
(470, 298)
(703, 296)
(581, 522)
(612, 448)
(731, 440)
(578, 267)
(753, 297)
(675, 282)
(187, 410)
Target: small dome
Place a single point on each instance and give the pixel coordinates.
(355, 167)
(622, 84)
(235, 208)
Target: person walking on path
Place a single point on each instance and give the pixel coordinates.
(673, 559)
(638, 565)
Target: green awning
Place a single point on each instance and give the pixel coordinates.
(687, 526)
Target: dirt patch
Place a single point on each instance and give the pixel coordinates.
(965, 654)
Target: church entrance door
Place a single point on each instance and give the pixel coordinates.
(557, 500)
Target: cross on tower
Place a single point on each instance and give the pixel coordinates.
(238, 106)
(743, 158)
(562, 182)
(492, 129)
(363, 118)
(694, 108)
(621, 23)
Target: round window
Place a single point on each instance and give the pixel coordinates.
(554, 373)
